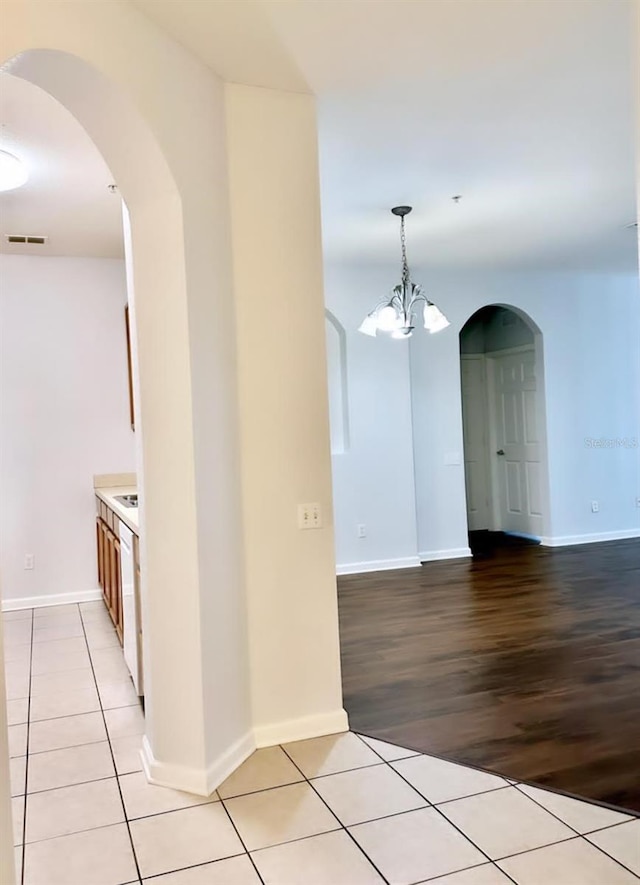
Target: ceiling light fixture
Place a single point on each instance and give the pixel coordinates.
(396, 314)
(13, 172)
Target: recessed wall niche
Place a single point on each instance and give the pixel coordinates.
(338, 384)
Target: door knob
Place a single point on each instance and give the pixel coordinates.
(500, 452)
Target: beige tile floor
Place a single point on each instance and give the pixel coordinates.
(337, 810)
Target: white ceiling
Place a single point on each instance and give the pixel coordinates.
(66, 197)
(525, 107)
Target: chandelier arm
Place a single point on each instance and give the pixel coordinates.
(384, 303)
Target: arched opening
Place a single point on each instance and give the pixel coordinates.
(503, 410)
(224, 560)
(337, 383)
(176, 262)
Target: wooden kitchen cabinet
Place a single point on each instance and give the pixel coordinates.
(108, 550)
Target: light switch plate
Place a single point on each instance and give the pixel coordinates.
(309, 516)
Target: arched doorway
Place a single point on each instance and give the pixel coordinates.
(502, 371)
(190, 636)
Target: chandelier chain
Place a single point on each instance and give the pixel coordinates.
(405, 266)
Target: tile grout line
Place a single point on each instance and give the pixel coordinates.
(581, 836)
(113, 758)
(300, 780)
(320, 776)
(26, 764)
(470, 796)
(577, 832)
(341, 825)
(94, 780)
(606, 853)
(242, 842)
(429, 804)
(576, 838)
(496, 773)
(335, 829)
(83, 713)
(584, 836)
(479, 866)
(193, 866)
(435, 807)
(495, 861)
(618, 809)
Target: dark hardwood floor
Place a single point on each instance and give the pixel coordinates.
(524, 661)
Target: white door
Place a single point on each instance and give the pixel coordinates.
(474, 421)
(517, 442)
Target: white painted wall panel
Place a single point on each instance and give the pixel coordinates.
(64, 415)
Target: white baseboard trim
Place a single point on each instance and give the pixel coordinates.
(377, 565)
(452, 553)
(301, 729)
(200, 781)
(12, 605)
(570, 540)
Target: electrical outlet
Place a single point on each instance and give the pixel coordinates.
(595, 507)
(309, 516)
(362, 530)
(29, 561)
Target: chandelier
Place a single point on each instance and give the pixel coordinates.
(397, 314)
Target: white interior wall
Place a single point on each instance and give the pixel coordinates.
(591, 338)
(64, 416)
(373, 479)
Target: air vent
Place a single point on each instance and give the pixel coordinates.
(19, 238)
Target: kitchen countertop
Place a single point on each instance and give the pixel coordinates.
(128, 515)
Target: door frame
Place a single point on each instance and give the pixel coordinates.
(489, 362)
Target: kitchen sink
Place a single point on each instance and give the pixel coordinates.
(128, 500)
